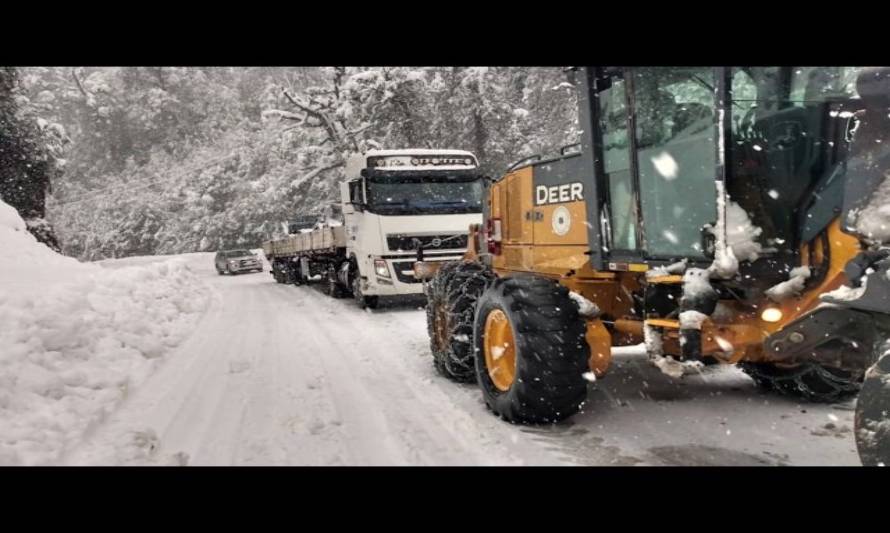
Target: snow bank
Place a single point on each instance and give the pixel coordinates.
(75, 337)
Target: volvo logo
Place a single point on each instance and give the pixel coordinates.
(436, 242)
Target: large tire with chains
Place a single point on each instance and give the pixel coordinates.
(808, 381)
(550, 351)
(872, 418)
(451, 301)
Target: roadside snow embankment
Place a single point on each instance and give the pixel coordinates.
(75, 337)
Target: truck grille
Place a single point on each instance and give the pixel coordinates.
(398, 242)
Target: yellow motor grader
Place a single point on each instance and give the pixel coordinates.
(708, 212)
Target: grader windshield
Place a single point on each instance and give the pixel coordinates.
(660, 179)
(790, 129)
(784, 139)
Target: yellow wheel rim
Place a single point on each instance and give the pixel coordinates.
(500, 350)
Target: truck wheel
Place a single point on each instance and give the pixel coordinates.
(364, 302)
(450, 310)
(872, 420)
(809, 381)
(532, 352)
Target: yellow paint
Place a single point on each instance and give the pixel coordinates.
(600, 343)
(663, 323)
(842, 249)
(544, 233)
(516, 199)
(500, 350)
(668, 279)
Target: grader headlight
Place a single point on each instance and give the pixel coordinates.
(771, 314)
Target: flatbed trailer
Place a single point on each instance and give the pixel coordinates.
(299, 257)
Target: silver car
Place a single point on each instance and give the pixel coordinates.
(237, 261)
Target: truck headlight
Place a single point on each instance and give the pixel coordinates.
(380, 268)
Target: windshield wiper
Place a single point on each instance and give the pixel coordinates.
(450, 202)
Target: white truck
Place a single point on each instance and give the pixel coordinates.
(394, 203)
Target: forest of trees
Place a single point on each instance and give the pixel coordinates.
(155, 160)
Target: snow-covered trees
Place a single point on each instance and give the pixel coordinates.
(31, 150)
(168, 160)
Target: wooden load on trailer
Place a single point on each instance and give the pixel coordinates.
(320, 239)
(306, 253)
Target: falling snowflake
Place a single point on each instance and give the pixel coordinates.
(666, 165)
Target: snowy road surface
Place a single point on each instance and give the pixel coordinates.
(282, 375)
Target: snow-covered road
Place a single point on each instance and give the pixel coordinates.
(282, 375)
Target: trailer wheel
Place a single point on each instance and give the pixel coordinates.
(450, 310)
(809, 381)
(872, 419)
(276, 273)
(332, 286)
(532, 351)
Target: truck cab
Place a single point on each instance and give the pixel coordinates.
(397, 202)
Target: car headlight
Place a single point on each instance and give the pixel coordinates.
(380, 268)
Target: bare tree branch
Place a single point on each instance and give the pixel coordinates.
(87, 96)
(331, 131)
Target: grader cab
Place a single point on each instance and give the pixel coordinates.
(710, 213)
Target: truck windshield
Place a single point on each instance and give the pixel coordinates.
(413, 196)
(238, 253)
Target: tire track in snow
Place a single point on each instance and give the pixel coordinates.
(445, 431)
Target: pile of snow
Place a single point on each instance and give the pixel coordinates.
(742, 234)
(674, 268)
(696, 283)
(740, 243)
(692, 320)
(75, 337)
(586, 308)
(797, 279)
(676, 369)
(845, 293)
(874, 220)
